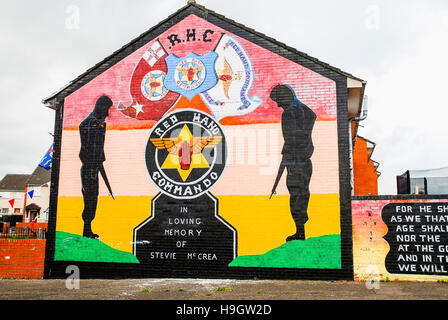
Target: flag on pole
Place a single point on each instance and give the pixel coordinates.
(47, 160)
(230, 97)
(150, 97)
(31, 194)
(11, 202)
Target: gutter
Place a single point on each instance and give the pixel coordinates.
(351, 143)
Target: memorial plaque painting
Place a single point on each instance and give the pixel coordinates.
(217, 155)
(418, 238)
(185, 156)
(401, 239)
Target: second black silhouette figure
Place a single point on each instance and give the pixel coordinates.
(297, 126)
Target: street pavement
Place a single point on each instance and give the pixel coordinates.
(193, 289)
(218, 299)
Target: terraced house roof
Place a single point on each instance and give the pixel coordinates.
(14, 182)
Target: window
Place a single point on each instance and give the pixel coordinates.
(4, 195)
(19, 195)
(5, 210)
(37, 191)
(17, 210)
(418, 186)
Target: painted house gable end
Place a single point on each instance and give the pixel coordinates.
(334, 80)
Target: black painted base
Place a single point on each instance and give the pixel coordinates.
(185, 234)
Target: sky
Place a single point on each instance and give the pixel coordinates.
(399, 47)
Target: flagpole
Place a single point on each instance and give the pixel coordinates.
(163, 48)
(120, 105)
(219, 41)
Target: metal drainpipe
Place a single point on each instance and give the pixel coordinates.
(350, 121)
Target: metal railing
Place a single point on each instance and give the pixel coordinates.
(23, 233)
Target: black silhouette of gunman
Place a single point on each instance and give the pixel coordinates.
(297, 126)
(93, 132)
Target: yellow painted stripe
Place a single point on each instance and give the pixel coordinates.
(261, 224)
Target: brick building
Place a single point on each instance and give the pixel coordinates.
(365, 169)
(12, 195)
(22, 251)
(37, 200)
(167, 151)
(205, 149)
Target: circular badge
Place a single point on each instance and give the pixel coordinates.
(186, 154)
(153, 87)
(190, 73)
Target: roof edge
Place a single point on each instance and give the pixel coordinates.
(52, 100)
(49, 101)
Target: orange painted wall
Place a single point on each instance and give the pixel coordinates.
(365, 175)
(22, 259)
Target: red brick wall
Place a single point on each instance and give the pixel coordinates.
(22, 259)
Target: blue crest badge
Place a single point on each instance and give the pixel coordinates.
(191, 75)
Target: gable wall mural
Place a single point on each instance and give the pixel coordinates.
(202, 153)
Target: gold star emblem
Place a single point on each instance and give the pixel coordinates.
(185, 152)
